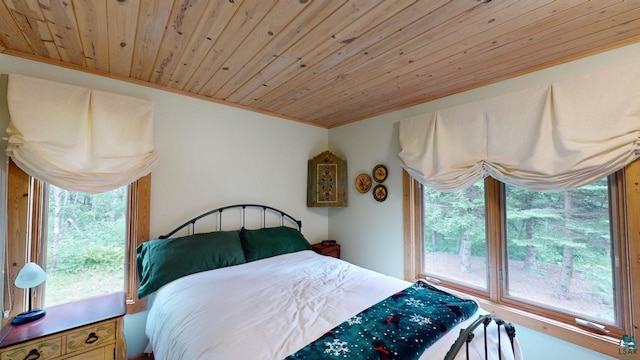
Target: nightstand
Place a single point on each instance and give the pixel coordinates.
(90, 329)
(328, 250)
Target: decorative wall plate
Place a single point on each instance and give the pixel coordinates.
(380, 193)
(379, 173)
(363, 183)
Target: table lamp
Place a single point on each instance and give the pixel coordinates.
(30, 276)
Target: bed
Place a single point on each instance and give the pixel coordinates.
(260, 292)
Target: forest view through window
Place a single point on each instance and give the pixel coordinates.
(556, 247)
(559, 249)
(85, 244)
(455, 244)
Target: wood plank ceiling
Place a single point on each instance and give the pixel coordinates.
(323, 62)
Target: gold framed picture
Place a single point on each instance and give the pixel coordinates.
(326, 181)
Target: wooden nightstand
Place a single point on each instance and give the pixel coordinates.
(89, 329)
(328, 250)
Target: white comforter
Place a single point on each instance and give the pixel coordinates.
(268, 309)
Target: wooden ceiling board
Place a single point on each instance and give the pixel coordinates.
(122, 23)
(345, 49)
(325, 63)
(92, 19)
(282, 41)
(30, 21)
(10, 34)
(240, 26)
(420, 67)
(299, 57)
(488, 77)
(61, 22)
(152, 20)
(333, 46)
(213, 22)
(388, 58)
(184, 19)
(279, 16)
(445, 89)
(328, 71)
(464, 68)
(309, 24)
(512, 55)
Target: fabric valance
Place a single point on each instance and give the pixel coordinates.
(77, 138)
(555, 137)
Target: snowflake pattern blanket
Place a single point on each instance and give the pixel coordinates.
(400, 327)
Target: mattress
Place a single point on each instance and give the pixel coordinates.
(270, 308)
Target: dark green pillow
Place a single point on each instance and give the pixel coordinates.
(162, 261)
(267, 242)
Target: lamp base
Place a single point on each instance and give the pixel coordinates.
(27, 317)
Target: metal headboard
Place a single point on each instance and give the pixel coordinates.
(285, 219)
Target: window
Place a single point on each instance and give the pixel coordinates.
(545, 260)
(95, 236)
(561, 250)
(455, 233)
(558, 246)
(85, 239)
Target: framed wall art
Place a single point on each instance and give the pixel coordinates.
(363, 183)
(327, 181)
(379, 173)
(380, 193)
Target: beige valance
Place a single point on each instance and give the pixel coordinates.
(77, 138)
(559, 136)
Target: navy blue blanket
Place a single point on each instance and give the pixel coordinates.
(400, 327)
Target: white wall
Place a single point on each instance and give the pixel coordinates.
(210, 155)
(371, 233)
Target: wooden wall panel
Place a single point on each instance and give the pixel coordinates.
(17, 214)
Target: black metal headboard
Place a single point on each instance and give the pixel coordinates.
(285, 219)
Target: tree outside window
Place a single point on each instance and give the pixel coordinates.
(85, 244)
(555, 247)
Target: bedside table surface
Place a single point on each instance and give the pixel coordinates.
(320, 246)
(329, 250)
(64, 317)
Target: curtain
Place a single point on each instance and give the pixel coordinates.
(77, 138)
(549, 138)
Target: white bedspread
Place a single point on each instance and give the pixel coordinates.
(268, 309)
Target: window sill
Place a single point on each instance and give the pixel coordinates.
(604, 344)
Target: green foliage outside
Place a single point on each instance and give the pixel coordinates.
(85, 244)
(452, 216)
(585, 226)
(569, 232)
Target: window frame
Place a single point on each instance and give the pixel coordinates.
(548, 322)
(23, 243)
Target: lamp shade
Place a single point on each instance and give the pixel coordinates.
(31, 275)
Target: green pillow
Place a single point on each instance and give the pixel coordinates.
(162, 261)
(267, 242)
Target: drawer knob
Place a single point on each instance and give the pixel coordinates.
(32, 355)
(91, 338)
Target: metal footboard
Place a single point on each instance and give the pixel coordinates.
(467, 335)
